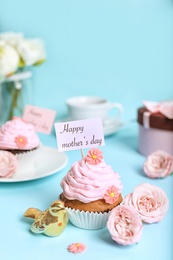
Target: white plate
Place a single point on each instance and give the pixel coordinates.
(48, 161)
(110, 126)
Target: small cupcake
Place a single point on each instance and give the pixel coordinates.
(8, 164)
(19, 138)
(91, 189)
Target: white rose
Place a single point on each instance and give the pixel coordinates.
(11, 38)
(9, 59)
(31, 51)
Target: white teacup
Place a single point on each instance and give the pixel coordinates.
(85, 107)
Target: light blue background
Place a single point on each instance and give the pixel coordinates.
(122, 50)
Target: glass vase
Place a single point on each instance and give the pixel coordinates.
(15, 94)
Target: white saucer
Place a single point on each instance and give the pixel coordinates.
(110, 126)
(48, 161)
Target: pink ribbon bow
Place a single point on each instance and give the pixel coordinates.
(165, 108)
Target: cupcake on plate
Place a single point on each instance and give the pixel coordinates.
(19, 138)
(91, 189)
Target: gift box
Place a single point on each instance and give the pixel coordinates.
(155, 131)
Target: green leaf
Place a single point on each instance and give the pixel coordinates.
(39, 62)
(21, 63)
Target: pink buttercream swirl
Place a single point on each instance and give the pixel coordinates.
(11, 130)
(87, 182)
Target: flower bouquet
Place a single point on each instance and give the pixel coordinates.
(17, 55)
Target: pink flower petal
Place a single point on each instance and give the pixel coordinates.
(76, 248)
(94, 156)
(111, 195)
(21, 141)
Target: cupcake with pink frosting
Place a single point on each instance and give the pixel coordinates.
(19, 138)
(91, 189)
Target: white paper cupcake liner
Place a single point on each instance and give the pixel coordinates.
(27, 163)
(28, 155)
(87, 220)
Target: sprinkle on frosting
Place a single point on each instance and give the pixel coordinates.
(76, 248)
(111, 195)
(94, 156)
(21, 141)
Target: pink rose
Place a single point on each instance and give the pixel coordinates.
(8, 164)
(150, 201)
(125, 225)
(158, 164)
